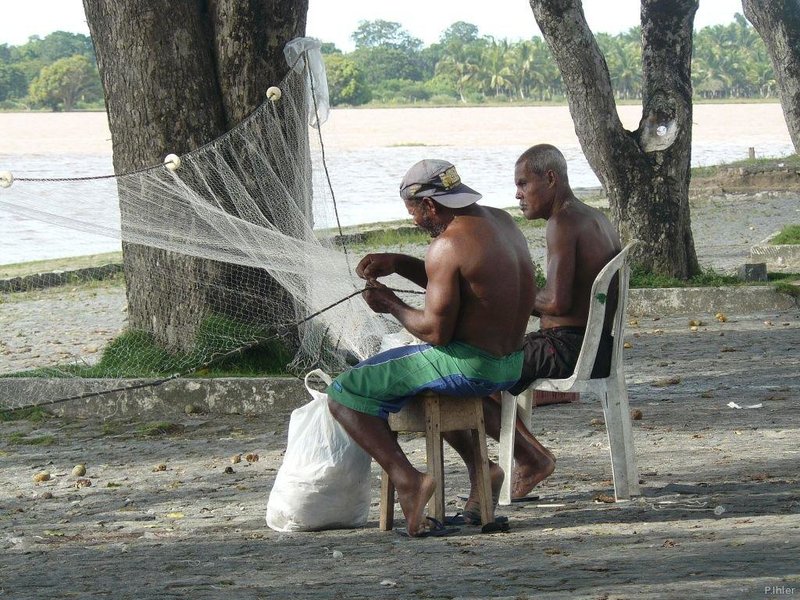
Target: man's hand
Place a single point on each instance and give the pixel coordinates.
(379, 298)
(373, 266)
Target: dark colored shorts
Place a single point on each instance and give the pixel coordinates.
(552, 354)
(383, 383)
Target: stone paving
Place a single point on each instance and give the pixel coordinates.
(156, 515)
(161, 518)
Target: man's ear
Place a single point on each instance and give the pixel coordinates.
(429, 204)
(552, 178)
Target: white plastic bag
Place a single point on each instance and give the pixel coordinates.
(324, 481)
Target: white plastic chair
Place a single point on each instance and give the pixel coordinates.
(612, 389)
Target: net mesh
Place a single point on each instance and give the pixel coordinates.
(234, 258)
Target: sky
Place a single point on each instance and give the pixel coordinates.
(334, 21)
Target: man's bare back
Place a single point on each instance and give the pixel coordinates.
(495, 278)
(586, 233)
(580, 239)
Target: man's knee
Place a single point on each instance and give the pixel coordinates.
(336, 409)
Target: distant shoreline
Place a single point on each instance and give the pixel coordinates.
(454, 104)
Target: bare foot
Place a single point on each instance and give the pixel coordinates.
(472, 507)
(528, 474)
(413, 500)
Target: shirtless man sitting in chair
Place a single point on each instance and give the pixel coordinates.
(580, 242)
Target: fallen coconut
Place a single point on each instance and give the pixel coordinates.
(41, 476)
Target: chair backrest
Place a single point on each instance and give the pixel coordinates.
(597, 314)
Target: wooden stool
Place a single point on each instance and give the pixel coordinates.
(434, 414)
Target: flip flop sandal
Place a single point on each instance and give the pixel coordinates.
(436, 529)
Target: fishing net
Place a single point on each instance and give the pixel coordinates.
(239, 257)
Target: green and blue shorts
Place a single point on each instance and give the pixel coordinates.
(384, 383)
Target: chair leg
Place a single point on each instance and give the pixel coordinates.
(525, 409)
(621, 390)
(620, 441)
(508, 428)
(482, 466)
(435, 454)
(387, 503)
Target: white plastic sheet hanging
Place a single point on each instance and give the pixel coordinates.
(297, 52)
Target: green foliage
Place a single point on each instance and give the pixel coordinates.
(381, 63)
(789, 289)
(730, 61)
(461, 33)
(219, 335)
(63, 83)
(232, 348)
(329, 48)
(158, 428)
(540, 276)
(706, 278)
(346, 82)
(386, 34)
(386, 237)
(33, 414)
(403, 91)
(790, 234)
(753, 165)
(19, 439)
(13, 83)
(58, 45)
(21, 65)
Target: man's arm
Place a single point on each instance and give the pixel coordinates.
(436, 322)
(557, 296)
(373, 266)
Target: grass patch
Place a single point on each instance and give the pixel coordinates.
(110, 428)
(137, 354)
(524, 223)
(784, 287)
(707, 278)
(19, 439)
(33, 414)
(383, 237)
(790, 234)
(752, 165)
(158, 428)
(59, 264)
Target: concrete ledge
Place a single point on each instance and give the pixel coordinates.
(218, 396)
(780, 257)
(739, 300)
(46, 280)
(283, 394)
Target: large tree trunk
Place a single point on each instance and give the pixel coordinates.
(176, 76)
(645, 172)
(778, 24)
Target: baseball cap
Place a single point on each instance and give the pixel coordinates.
(439, 180)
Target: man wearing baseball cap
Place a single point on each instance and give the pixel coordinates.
(479, 283)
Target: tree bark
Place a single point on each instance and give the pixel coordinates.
(778, 24)
(176, 76)
(644, 172)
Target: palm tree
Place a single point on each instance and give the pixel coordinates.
(463, 73)
(497, 75)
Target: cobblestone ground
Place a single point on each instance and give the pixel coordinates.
(719, 516)
(193, 531)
